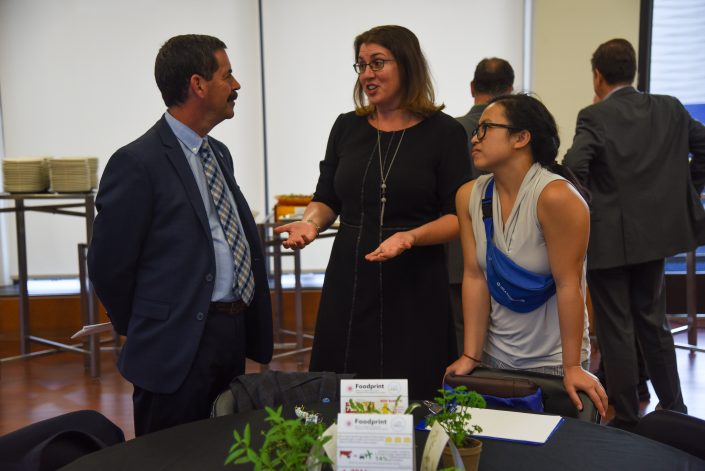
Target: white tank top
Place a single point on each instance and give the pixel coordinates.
(530, 340)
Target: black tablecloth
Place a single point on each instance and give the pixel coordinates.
(576, 445)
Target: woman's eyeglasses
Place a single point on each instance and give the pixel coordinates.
(374, 65)
(481, 129)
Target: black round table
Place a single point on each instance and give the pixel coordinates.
(576, 445)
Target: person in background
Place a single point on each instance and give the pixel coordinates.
(390, 172)
(527, 222)
(631, 151)
(493, 77)
(642, 387)
(175, 256)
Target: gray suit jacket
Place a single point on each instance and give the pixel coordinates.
(454, 252)
(631, 152)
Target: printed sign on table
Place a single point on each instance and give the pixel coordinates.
(368, 442)
(388, 396)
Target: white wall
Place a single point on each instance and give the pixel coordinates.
(76, 78)
(308, 57)
(565, 34)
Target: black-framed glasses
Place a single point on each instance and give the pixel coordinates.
(481, 129)
(375, 65)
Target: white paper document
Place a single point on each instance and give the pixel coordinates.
(515, 426)
(93, 329)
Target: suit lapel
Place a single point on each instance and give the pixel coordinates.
(176, 156)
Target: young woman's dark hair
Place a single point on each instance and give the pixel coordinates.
(527, 113)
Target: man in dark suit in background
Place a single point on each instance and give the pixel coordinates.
(493, 77)
(175, 256)
(631, 151)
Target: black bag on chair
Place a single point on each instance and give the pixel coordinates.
(500, 387)
(273, 388)
(502, 393)
(554, 396)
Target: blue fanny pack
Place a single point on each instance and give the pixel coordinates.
(511, 285)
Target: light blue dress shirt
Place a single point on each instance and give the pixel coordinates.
(224, 271)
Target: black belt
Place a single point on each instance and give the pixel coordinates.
(233, 309)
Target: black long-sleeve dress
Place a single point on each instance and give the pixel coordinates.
(388, 319)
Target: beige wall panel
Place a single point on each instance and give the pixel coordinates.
(565, 34)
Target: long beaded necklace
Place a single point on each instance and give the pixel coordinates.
(382, 174)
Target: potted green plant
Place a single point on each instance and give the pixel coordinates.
(289, 444)
(454, 416)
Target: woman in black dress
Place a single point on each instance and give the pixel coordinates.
(390, 172)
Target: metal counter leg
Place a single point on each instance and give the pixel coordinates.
(88, 314)
(22, 269)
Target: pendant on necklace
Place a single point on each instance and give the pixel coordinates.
(383, 200)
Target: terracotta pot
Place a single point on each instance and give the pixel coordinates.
(470, 454)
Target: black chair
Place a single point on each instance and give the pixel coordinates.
(273, 388)
(682, 431)
(555, 398)
(56, 442)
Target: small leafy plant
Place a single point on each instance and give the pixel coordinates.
(455, 415)
(289, 444)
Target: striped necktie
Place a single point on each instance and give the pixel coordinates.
(244, 282)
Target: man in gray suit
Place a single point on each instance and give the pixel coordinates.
(631, 151)
(493, 77)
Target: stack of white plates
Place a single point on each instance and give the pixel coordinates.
(70, 175)
(92, 168)
(25, 174)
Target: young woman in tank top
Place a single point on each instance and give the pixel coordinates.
(524, 289)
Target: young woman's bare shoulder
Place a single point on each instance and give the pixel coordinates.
(463, 193)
